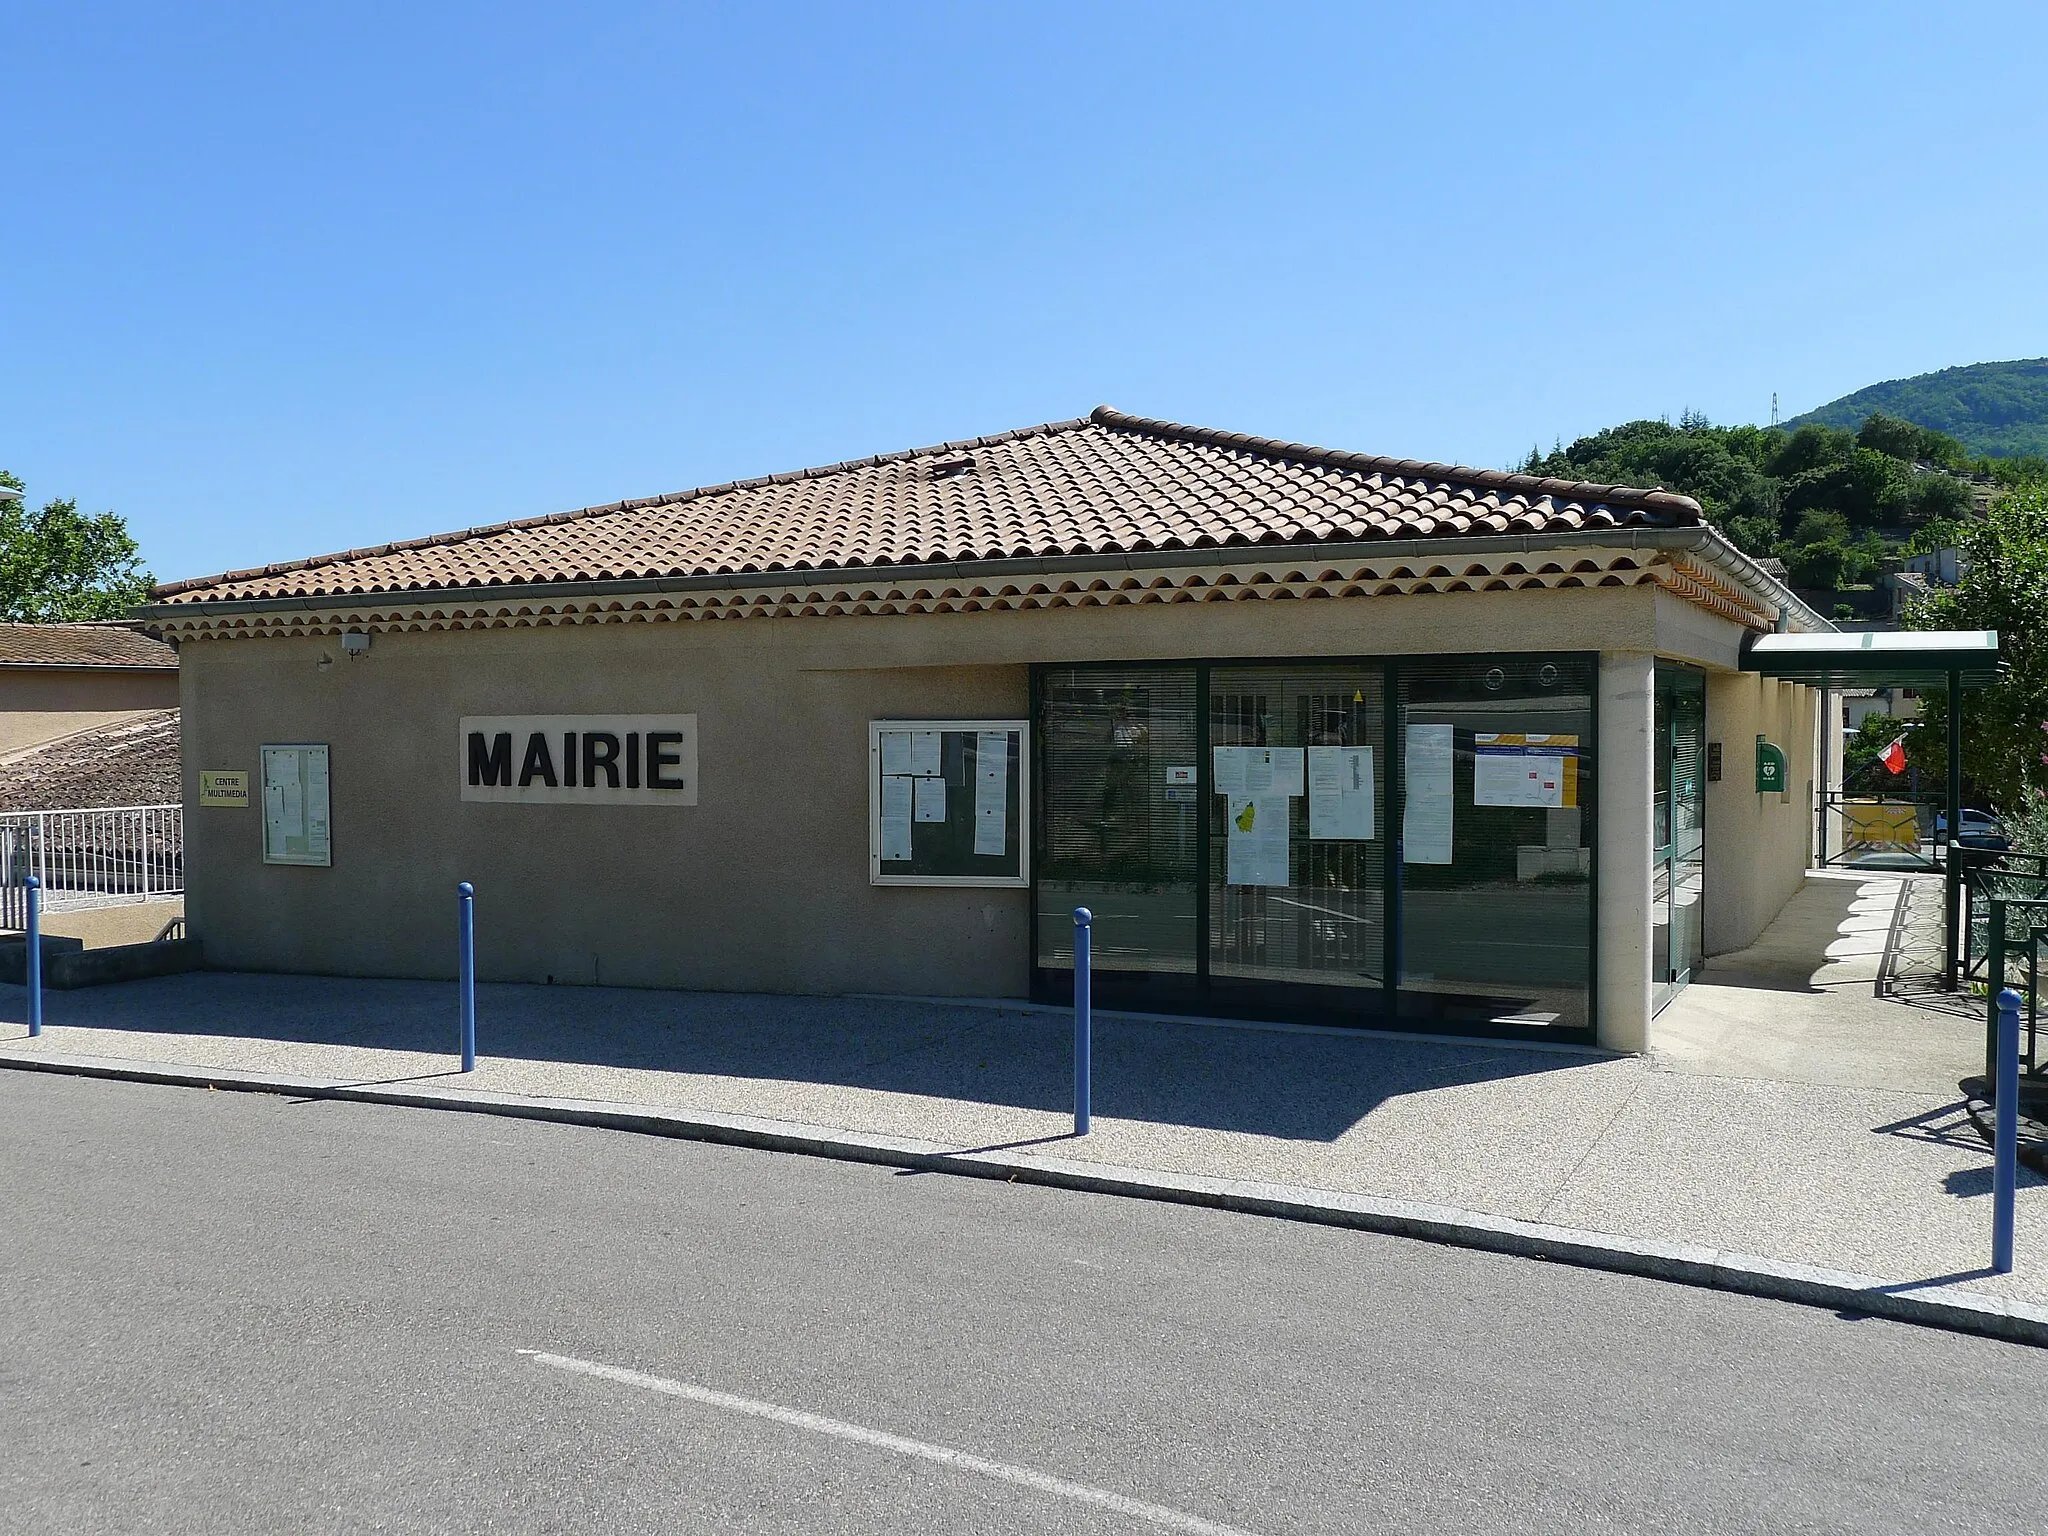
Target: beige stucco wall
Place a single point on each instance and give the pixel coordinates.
(1758, 846)
(763, 885)
(85, 688)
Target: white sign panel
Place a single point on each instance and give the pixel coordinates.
(1539, 772)
(1340, 794)
(578, 759)
(296, 829)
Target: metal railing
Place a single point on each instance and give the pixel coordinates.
(2005, 936)
(1882, 831)
(90, 858)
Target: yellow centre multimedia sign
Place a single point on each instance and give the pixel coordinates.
(221, 786)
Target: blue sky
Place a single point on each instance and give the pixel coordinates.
(281, 280)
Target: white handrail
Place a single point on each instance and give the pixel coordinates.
(90, 857)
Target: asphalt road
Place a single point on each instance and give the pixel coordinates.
(228, 1312)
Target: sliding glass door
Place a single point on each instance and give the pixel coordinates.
(1296, 814)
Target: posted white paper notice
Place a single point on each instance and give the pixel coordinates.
(1340, 794)
(1426, 795)
(924, 754)
(928, 800)
(895, 751)
(1257, 844)
(895, 815)
(1258, 770)
(991, 792)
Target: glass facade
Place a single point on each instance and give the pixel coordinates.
(1395, 843)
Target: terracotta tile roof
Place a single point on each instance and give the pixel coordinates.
(1108, 484)
(82, 645)
(131, 762)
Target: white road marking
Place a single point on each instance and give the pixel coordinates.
(839, 1429)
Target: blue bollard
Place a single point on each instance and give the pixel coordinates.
(2005, 1146)
(32, 957)
(1084, 1025)
(465, 896)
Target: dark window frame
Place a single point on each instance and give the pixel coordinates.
(1046, 985)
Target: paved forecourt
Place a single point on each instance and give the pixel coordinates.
(1874, 1180)
(242, 1313)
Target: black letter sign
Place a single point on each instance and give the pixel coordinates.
(661, 754)
(538, 764)
(494, 766)
(600, 751)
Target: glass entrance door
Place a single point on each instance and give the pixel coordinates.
(1297, 821)
(1678, 862)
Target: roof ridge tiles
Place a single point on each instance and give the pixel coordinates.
(1636, 498)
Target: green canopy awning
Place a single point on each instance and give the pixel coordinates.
(1924, 658)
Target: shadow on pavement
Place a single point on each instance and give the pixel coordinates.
(1305, 1087)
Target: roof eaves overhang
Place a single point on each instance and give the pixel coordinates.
(1702, 541)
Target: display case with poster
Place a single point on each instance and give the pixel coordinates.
(947, 802)
(296, 805)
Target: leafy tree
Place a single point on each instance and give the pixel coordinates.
(1810, 448)
(1820, 528)
(1752, 535)
(2004, 587)
(57, 565)
(1818, 567)
(1867, 487)
(1938, 533)
(1903, 440)
(1940, 496)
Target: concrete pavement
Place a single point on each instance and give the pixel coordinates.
(1880, 1181)
(1835, 992)
(235, 1313)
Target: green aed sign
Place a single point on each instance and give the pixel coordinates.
(1770, 769)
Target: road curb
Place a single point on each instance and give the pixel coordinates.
(1682, 1263)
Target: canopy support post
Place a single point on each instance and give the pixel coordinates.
(1952, 896)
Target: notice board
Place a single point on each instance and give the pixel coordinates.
(947, 802)
(296, 829)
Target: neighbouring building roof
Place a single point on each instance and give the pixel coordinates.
(1107, 484)
(110, 645)
(131, 762)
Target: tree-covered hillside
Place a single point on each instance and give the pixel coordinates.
(1992, 409)
(1833, 505)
